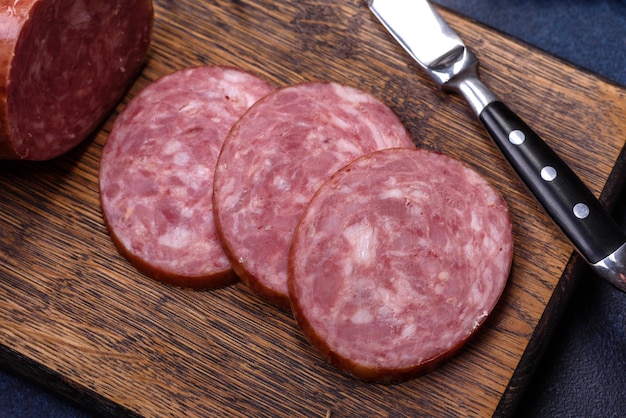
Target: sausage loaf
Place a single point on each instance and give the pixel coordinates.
(64, 65)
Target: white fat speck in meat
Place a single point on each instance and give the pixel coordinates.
(281, 184)
(347, 147)
(362, 317)
(177, 238)
(363, 240)
(391, 193)
(192, 107)
(181, 158)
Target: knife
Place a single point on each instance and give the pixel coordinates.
(428, 39)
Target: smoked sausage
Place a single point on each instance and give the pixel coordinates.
(274, 159)
(397, 261)
(64, 65)
(156, 173)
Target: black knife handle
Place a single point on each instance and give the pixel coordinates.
(557, 188)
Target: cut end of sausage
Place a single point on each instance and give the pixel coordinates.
(66, 64)
(397, 261)
(276, 157)
(157, 168)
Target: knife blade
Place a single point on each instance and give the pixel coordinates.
(434, 45)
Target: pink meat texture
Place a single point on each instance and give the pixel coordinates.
(397, 261)
(64, 65)
(156, 173)
(273, 161)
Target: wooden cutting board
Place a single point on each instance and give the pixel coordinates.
(76, 316)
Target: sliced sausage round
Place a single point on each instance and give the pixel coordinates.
(275, 158)
(156, 173)
(397, 261)
(64, 65)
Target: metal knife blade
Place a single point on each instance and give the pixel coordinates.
(398, 18)
(433, 44)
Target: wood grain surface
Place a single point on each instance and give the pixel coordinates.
(79, 317)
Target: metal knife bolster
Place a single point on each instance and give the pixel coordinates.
(423, 33)
(444, 56)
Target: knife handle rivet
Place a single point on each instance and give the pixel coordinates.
(548, 173)
(517, 137)
(581, 211)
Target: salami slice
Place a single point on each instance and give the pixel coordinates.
(156, 173)
(397, 261)
(64, 64)
(275, 158)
